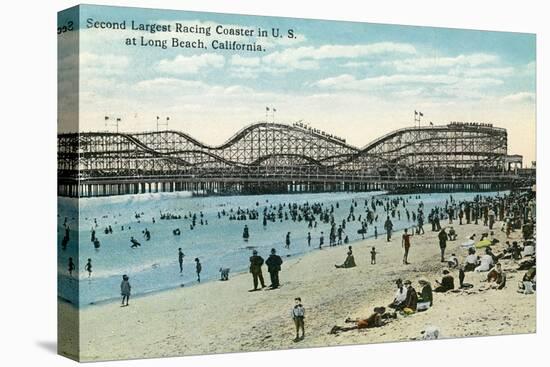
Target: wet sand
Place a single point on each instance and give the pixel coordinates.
(219, 317)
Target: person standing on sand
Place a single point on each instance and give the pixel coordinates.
(70, 266)
(256, 263)
(198, 268)
(406, 244)
(181, 255)
(298, 313)
(388, 226)
(125, 289)
(321, 241)
(373, 255)
(442, 236)
(274, 263)
(88, 267)
(287, 241)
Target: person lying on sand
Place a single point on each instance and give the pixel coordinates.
(374, 320)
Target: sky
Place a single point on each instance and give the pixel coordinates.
(354, 80)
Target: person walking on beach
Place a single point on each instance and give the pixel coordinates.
(88, 267)
(274, 263)
(442, 243)
(198, 269)
(420, 224)
(298, 313)
(287, 241)
(406, 244)
(246, 233)
(181, 255)
(373, 255)
(388, 226)
(70, 266)
(321, 241)
(125, 289)
(256, 262)
(309, 239)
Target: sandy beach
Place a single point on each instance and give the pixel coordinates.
(218, 317)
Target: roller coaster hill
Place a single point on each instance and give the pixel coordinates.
(286, 158)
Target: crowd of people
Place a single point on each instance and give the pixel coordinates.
(483, 253)
(517, 212)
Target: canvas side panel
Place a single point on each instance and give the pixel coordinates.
(68, 325)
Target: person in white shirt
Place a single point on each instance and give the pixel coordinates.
(400, 296)
(453, 261)
(528, 249)
(298, 313)
(472, 260)
(486, 263)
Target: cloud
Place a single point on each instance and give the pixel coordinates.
(521, 97)
(190, 64)
(436, 87)
(423, 63)
(349, 82)
(501, 71)
(105, 64)
(238, 60)
(304, 58)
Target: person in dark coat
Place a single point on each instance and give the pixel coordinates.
(273, 263)
(412, 297)
(388, 226)
(443, 238)
(256, 263)
(447, 283)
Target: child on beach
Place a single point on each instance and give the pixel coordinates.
(373, 255)
(70, 266)
(88, 267)
(125, 289)
(181, 255)
(198, 268)
(298, 314)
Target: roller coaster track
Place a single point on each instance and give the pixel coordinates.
(266, 150)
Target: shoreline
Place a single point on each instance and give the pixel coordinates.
(222, 317)
(101, 294)
(233, 274)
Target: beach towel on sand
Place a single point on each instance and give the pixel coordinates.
(468, 244)
(483, 243)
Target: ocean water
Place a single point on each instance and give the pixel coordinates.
(218, 242)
